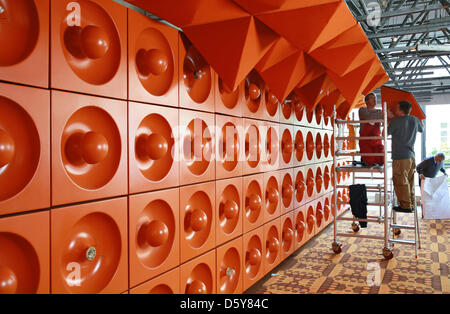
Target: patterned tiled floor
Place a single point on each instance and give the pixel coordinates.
(316, 269)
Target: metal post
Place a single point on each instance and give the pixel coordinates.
(386, 245)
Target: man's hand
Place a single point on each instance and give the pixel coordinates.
(390, 115)
(422, 177)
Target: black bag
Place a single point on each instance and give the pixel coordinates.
(358, 202)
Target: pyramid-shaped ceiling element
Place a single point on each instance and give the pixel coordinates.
(330, 100)
(392, 96)
(345, 52)
(182, 13)
(232, 47)
(282, 68)
(313, 92)
(313, 71)
(345, 108)
(379, 79)
(353, 84)
(308, 25)
(262, 6)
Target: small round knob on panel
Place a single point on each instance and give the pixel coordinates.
(272, 99)
(230, 272)
(288, 234)
(319, 180)
(254, 91)
(288, 190)
(230, 209)
(157, 233)
(300, 145)
(199, 220)
(197, 287)
(255, 202)
(91, 253)
(310, 182)
(8, 281)
(273, 244)
(301, 226)
(301, 186)
(254, 256)
(272, 195)
(94, 148)
(156, 146)
(95, 42)
(156, 61)
(7, 148)
(287, 146)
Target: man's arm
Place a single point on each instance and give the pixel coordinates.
(443, 171)
(421, 127)
(420, 167)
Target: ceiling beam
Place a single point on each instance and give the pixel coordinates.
(433, 26)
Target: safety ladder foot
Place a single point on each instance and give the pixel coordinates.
(336, 247)
(387, 253)
(355, 227)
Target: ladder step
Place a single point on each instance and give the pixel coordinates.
(354, 138)
(359, 169)
(403, 241)
(368, 204)
(355, 153)
(368, 187)
(403, 226)
(340, 121)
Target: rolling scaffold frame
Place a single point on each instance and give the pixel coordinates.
(384, 206)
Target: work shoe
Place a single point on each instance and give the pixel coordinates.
(403, 210)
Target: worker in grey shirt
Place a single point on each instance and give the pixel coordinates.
(403, 129)
(370, 129)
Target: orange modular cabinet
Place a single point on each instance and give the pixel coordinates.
(310, 215)
(300, 186)
(24, 254)
(229, 102)
(328, 176)
(154, 236)
(229, 146)
(253, 198)
(197, 220)
(89, 248)
(286, 146)
(196, 78)
(254, 96)
(310, 181)
(253, 252)
(254, 139)
(318, 116)
(198, 276)
(228, 209)
(287, 109)
(320, 156)
(271, 152)
(272, 188)
(272, 243)
(300, 114)
(89, 47)
(300, 145)
(311, 120)
(271, 106)
(327, 121)
(320, 215)
(153, 147)
(287, 235)
(167, 283)
(326, 142)
(197, 139)
(89, 154)
(24, 38)
(310, 146)
(327, 208)
(287, 190)
(300, 226)
(229, 267)
(152, 61)
(24, 148)
(319, 179)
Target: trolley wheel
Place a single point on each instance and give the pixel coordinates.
(396, 231)
(355, 227)
(337, 247)
(387, 253)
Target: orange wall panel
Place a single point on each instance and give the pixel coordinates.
(89, 248)
(228, 209)
(198, 276)
(89, 47)
(24, 38)
(25, 148)
(24, 254)
(167, 283)
(229, 268)
(154, 235)
(253, 255)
